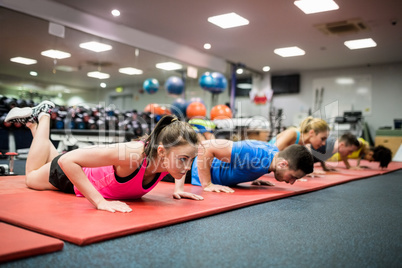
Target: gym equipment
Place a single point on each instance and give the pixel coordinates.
(214, 82)
(151, 85)
(174, 85)
(179, 107)
(220, 112)
(196, 110)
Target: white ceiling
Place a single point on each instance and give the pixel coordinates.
(273, 24)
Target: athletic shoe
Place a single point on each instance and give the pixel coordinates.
(44, 106)
(27, 114)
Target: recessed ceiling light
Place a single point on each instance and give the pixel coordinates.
(65, 68)
(239, 71)
(289, 51)
(115, 12)
(33, 73)
(55, 54)
(316, 6)
(130, 71)
(169, 66)
(360, 43)
(207, 46)
(266, 68)
(228, 20)
(102, 85)
(98, 75)
(96, 46)
(23, 60)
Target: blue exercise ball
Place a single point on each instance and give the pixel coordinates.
(179, 107)
(213, 82)
(174, 85)
(151, 85)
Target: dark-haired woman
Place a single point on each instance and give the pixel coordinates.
(114, 171)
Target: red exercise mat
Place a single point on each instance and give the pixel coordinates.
(74, 219)
(17, 243)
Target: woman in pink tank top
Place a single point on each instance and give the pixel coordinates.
(113, 171)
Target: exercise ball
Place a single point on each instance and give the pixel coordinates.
(196, 110)
(150, 108)
(151, 85)
(221, 111)
(213, 82)
(179, 107)
(174, 85)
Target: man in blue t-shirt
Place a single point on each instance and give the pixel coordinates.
(222, 163)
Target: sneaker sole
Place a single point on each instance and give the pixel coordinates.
(18, 113)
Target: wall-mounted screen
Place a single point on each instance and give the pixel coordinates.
(285, 84)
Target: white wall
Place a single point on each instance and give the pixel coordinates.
(386, 88)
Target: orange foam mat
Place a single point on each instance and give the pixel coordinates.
(17, 243)
(73, 219)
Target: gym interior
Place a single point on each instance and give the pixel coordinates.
(158, 58)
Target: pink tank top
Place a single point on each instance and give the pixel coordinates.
(104, 180)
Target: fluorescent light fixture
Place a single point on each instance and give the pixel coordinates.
(207, 46)
(95, 46)
(244, 86)
(344, 81)
(65, 68)
(266, 68)
(289, 51)
(55, 54)
(33, 73)
(316, 6)
(130, 71)
(360, 43)
(168, 66)
(115, 12)
(98, 75)
(228, 20)
(23, 60)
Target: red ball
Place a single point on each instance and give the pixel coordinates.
(196, 110)
(221, 112)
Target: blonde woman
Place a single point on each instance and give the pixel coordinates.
(314, 131)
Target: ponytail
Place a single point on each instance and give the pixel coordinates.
(317, 124)
(170, 132)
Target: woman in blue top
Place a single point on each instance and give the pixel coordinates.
(314, 131)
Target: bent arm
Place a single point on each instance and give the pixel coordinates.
(73, 162)
(208, 150)
(285, 139)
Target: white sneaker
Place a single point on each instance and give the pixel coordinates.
(27, 114)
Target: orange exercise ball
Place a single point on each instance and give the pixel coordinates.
(157, 109)
(196, 109)
(221, 111)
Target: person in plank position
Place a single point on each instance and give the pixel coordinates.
(114, 171)
(222, 163)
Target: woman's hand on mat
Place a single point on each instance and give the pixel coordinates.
(218, 188)
(113, 206)
(262, 182)
(180, 195)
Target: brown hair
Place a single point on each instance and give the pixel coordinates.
(349, 139)
(298, 157)
(317, 124)
(170, 132)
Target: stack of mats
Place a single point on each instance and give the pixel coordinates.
(74, 219)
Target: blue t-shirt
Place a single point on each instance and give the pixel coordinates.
(250, 159)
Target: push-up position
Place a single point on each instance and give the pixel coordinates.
(223, 163)
(115, 171)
